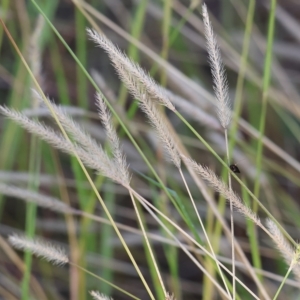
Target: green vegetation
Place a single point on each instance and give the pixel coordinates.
(124, 163)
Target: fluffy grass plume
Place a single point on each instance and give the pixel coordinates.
(119, 157)
(125, 65)
(91, 154)
(218, 72)
(97, 296)
(290, 254)
(40, 248)
(219, 186)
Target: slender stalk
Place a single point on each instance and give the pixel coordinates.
(166, 36)
(241, 76)
(204, 231)
(235, 176)
(262, 122)
(147, 242)
(181, 245)
(283, 281)
(81, 96)
(148, 204)
(4, 9)
(266, 85)
(81, 80)
(75, 253)
(102, 279)
(31, 208)
(35, 154)
(231, 217)
(137, 26)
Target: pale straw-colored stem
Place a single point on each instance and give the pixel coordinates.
(204, 231)
(184, 233)
(231, 218)
(147, 243)
(182, 246)
(104, 280)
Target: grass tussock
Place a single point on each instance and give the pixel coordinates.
(144, 182)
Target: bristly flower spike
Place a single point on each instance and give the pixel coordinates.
(53, 254)
(218, 72)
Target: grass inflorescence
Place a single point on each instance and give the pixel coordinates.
(160, 204)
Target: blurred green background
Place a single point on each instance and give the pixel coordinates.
(150, 32)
